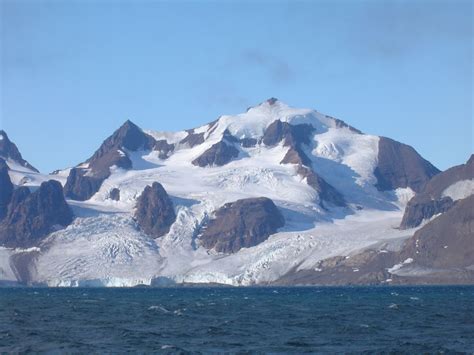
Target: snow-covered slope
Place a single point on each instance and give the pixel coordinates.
(104, 245)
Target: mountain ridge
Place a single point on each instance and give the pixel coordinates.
(152, 205)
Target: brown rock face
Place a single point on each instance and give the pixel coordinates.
(193, 139)
(114, 194)
(32, 216)
(295, 137)
(155, 213)
(218, 154)
(6, 188)
(326, 191)
(429, 201)
(342, 124)
(164, 148)
(128, 136)
(447, 241)
(422, 208)
(81, 187)
(8, 150)
(399, 165)
(248, 142)
(242, 224)
(82, 183)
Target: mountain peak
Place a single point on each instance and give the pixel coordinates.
(3, 135)
(272, 101)
(128, 125)
(9, 150)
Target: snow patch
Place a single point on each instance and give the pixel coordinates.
(397, 267)
(459, 190)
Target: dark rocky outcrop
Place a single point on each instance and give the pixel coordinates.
(218, 154)
(155, 213)
(325, 191)
(295, 155)
(114, 194)
(229, 138)
(272, 101)
(447, 241)
(80, 186)
(8, 150)
(164, 148)
(423, 207)
(400, 166)
(429, 201)
(248, 142)
(83, 183)
(32, 216)
(291, 134)
(6, 188)
(129, 136)
(242, 224)
(295, 137)
(212, 126)
(193, 139)
(341, 124)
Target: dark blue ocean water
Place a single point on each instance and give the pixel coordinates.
(174, 320)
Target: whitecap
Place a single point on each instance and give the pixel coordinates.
(160, 308)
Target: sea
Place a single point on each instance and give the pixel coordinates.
(185, 320)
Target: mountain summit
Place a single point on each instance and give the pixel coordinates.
(9, 151)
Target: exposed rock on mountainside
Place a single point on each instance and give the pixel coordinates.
(431, 200)
(6, 188)
(342, 124)
(447, 241)
(8, 150)
(155, 212)
(242, 224)
(114, 194)
(423, 207)
(291, 134)
(218, 154)
(32, 216)
(164, 148)
(326, 192)
(193, 139)
(129, 136)
(80, 186)
(295, 136)
(399, 165)
(84, 182)
(248, 142)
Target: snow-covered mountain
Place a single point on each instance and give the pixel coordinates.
(256, 198)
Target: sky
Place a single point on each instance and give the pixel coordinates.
(71, 72)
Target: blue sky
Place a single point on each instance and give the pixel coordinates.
(73, 71)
